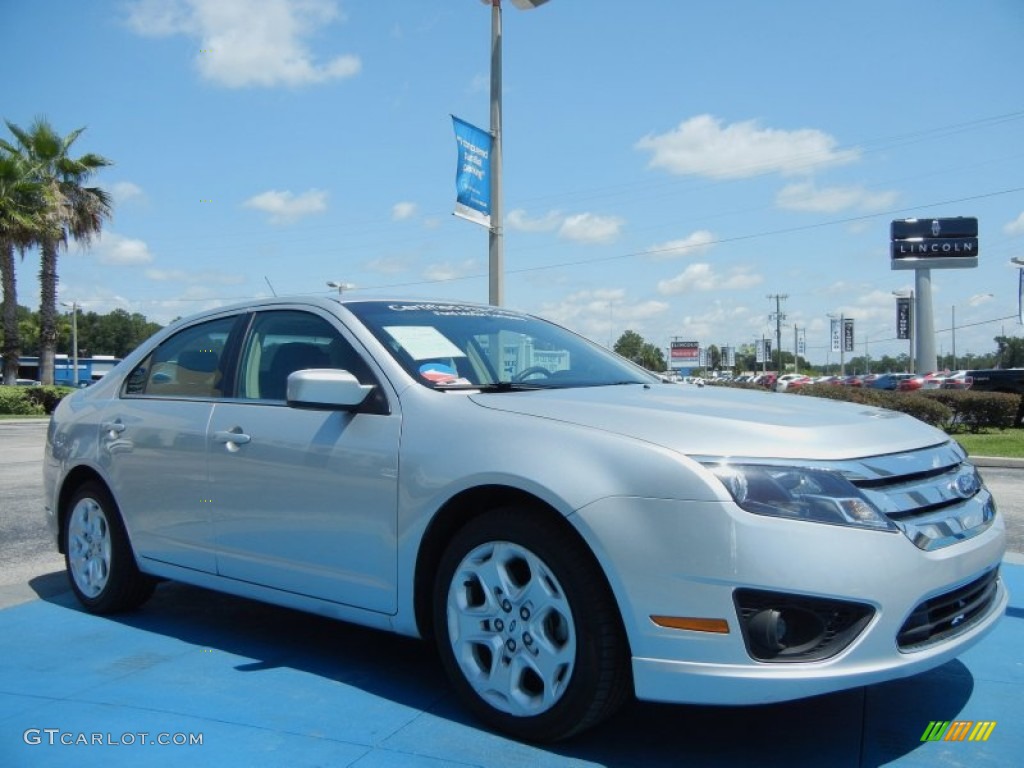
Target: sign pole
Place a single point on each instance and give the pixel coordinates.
(924, 334)
(496, 245)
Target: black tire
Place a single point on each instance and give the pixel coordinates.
(98, 556)
(553, 609)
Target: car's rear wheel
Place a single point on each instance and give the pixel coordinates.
(527, 628)
(99, 558)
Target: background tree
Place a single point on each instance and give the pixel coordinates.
(116, 333)
(712, 358)
(746, 358)
(68, 210)
(632, 346)
(19, 207)
(1010, 351)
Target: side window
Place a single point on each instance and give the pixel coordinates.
(188, 364)
(285, 341)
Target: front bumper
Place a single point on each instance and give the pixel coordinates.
(686, 559)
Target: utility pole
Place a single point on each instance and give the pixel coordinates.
(778, 316)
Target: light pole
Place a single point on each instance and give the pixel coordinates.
(74, 339)
(340, 286)
(496, 251)
(953, 331)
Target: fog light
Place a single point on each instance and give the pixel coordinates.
(781, 627)
(767, 630)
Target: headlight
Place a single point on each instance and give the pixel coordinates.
(800, 493)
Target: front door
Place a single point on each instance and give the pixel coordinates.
(305, 500)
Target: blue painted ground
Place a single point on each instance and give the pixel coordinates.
(266, 686)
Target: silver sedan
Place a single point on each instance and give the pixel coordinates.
(566, 528)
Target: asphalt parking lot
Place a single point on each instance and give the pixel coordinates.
(265, 686)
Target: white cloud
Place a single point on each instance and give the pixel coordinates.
(1015, 227)
(122, 191)
(286, 207)
(518, 220)
(807, 196)
(702, 277)
(579, 227)
(403, 211)
(116, 250)
(451, 271)
(601, 313)
(693, 244)
(720, 323)
(389, 265)
(980, 298)
(590, 228)
(702, 146)
(241, 45)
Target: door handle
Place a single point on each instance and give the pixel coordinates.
(230, 436)
(113, 428)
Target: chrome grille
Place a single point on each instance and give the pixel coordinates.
(935, 496)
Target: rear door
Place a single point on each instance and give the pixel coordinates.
(154, 444)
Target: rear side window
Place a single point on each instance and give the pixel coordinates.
(188, 364)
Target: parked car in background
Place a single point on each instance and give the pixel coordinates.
(917, 381)
(957, 380)
(910, 383)
(1010, 380)
(889, 381)
(564, 527)
(790, 381)
(852, 381)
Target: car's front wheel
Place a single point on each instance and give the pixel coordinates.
(527, 628)
(99, 558)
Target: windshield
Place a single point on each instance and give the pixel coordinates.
(462, 346)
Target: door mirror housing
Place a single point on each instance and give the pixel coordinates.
(326, 388)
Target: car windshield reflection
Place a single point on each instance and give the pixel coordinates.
(453, 346)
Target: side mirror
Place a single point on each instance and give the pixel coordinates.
(327, 388)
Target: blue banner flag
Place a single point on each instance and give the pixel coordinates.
(473, 177)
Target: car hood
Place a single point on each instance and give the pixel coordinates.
(721, 421)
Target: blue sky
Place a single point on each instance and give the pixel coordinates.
(668, 165)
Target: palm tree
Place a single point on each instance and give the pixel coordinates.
(68, 209)
(19, 222)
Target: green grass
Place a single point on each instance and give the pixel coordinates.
(7, 416)
(997, 442)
